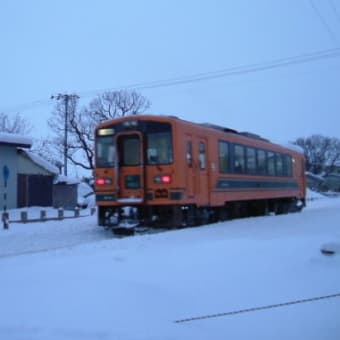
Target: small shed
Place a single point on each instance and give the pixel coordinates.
(35, 180)
(32, 181)
(65, 192)
(9, 160)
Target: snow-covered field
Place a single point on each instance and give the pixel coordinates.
(72, 280)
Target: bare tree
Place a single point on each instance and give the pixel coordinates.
(321, 153)
(15, 124)
(82, 127)
(82, 123)
(115, 104)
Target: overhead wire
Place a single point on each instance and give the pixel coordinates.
(27, 106)
(331, 34)
(233, 71)
(200, 77)
(335, 10)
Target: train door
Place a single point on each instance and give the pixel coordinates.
(129, 169)
(202, 190)
(190, 175)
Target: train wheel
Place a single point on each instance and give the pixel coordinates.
(189, 216)
(223, 214)
(282, 207)
(203, 216)
(101, 216)
(177, 217)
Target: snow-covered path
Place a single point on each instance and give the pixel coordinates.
(41, 237)
(135, 288)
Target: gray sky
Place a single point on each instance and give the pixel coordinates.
(84, 47)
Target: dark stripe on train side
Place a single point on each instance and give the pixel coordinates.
(232, 184)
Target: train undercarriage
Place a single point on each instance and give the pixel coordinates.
(126, 220)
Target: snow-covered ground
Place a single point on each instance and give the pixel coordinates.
(72, 280)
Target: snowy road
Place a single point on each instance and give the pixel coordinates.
(100, 287)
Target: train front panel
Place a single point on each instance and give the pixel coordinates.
(136, 169)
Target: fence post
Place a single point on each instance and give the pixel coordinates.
(5, 219)
(61, 213)
(76, 212)
(23, 216)
(43, 215)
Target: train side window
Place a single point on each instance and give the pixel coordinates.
(188, 154)
(251, 160)
(202, 156)
(271, 163)
(239, 159)
(279, 164)
(261, 162)
(287, 165)
(223, 156)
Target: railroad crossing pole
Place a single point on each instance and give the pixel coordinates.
(5, 172)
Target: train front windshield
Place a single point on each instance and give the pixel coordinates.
(105, 152)
(157, 145)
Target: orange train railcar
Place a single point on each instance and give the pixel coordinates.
(165, 171)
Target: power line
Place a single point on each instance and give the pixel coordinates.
(229, 72)
(337, 14)
(199, 77)
(240, 70)
(27, 106)
(324, 23)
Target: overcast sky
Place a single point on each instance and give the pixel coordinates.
(84, 47)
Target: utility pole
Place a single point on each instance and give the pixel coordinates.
(65, 97)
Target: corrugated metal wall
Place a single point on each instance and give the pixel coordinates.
(35, 190)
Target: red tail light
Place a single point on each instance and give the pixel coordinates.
(103, 180)
(166, 179)
(100, 181)
(162, 179)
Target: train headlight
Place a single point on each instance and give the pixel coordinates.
(162, 179)
(106, 132)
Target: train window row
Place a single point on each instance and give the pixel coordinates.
(241, 159)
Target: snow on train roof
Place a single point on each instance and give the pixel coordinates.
(290, 146)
